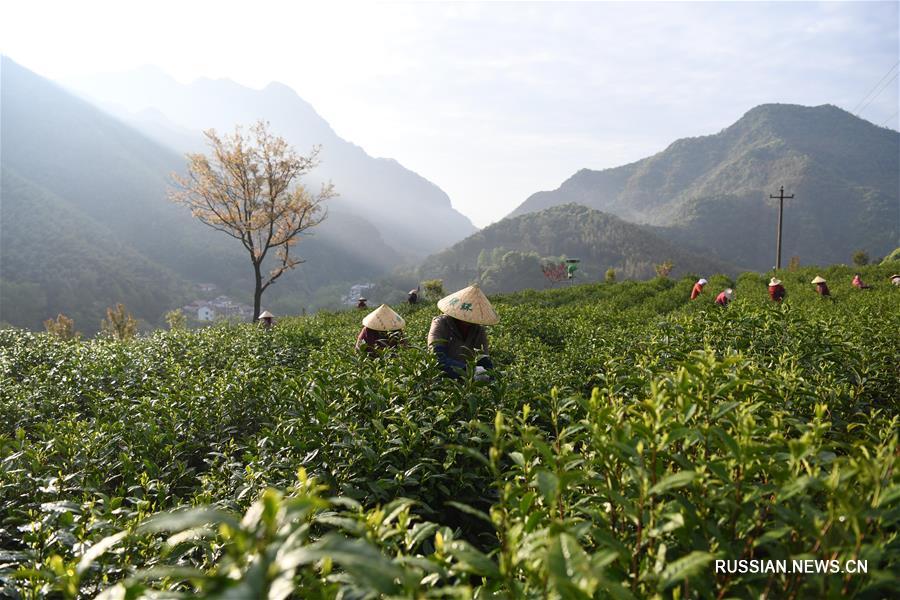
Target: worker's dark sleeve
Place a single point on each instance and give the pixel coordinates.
(437, 343)
(481, 347)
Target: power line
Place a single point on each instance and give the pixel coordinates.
(875, 86)
(857, 109)
(781, 198)
(890, 117)
(879, 93)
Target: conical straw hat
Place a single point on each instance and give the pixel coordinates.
(702, 282)
(818, 279)
(266, 314)
(729, 293)
(774, 282)
(469, 305)
(384, 319)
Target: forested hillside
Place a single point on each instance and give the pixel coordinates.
(629, 438)
(713, 191)
(56, 259)
(106, 187)
(508, 255)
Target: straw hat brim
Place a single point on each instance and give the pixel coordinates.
(384, 318)
(469, 305)
(818, 279)
(266, 315)
(774, 282)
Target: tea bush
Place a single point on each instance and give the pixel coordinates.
(630, 439)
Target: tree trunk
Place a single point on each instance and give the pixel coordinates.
(257, 293)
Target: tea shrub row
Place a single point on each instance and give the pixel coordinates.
(630, 439)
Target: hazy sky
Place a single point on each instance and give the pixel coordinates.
(492, 101)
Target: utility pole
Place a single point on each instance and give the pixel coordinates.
(781, 198)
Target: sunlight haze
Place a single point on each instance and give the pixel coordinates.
(491, 102)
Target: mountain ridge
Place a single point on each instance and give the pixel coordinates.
(399, 201)
(833, 162)
(600, 240)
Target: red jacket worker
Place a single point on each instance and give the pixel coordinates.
(698, 288)
(776, 290)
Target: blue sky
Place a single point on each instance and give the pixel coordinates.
(492, 101)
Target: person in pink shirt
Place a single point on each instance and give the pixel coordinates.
(382, 329)
(725, 297)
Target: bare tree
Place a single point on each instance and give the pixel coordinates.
(119, 324)
(249, 188)
(664, 269)
(63, 328)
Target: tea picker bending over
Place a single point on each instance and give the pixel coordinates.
(698, 288)
(266, 319)
(382, 328)
(459, 335)
(725, 297)
(776, 290)
(821, 286)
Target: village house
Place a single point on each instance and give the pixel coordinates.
(357, 290)
(220, 307)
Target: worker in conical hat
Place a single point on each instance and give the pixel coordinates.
(266, 319)
(413, 296)
(821, 286)
(698, 288)
(382, 328)
(895, 279)
(459, 335)
(859, 284)
(361, 303)
(776, 290)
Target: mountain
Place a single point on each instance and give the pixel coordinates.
(712, 192)
(80, 183)
(507, 255)
(56, 259)
(402, 205)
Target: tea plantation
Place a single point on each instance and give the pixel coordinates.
(631, 439)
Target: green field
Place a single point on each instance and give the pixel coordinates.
(631, 439)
